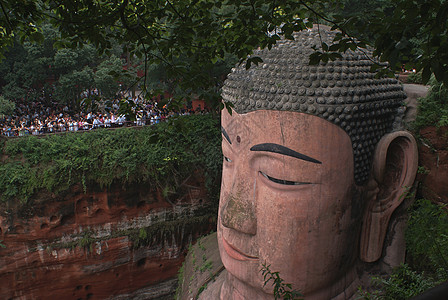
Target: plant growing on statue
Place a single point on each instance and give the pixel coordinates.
(180, 279)
(282, 290)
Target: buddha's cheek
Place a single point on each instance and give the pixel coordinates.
(282, 225)
(302, 233)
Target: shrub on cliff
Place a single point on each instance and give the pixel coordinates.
(433, 109)
(427, 239)
(164, 155)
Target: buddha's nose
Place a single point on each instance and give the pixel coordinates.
(238, 211)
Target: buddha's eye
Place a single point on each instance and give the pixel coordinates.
(227, 159)
(282, 181)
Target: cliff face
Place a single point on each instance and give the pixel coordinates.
(433, 157)
(113, 244)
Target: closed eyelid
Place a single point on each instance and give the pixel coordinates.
(282, 181)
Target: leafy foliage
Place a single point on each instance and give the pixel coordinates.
(403, 32)
(282, 290)
(404, 283)
(164, 77)
(427, 238)
(19, 18)
(433, 109)
(71, 85)
(165, 155)
(26, 67)
(409, 33)
(41, 72)
(104, 79)
(415, 77)
(6, 106)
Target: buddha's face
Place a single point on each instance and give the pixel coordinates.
(288, 199)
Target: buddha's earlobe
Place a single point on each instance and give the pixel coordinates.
(394, 169)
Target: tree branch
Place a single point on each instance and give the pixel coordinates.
(6, 17)
(352, 39)
(175, 10)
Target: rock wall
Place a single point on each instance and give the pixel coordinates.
(115, 244)
(433, 159)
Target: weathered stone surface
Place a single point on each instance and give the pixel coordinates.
(433, 158)
(99, 244)
(288, 199)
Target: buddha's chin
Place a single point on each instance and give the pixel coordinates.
(245, 269)
(234, 288)
(249, 273)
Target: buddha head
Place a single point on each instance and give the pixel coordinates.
(314, 165)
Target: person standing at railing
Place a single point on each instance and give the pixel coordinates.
(113, 119)
(106, 122)
(85, 125)
(101, 119)
(96, 122)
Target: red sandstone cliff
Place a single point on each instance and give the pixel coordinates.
(433, 157)
(113, 244)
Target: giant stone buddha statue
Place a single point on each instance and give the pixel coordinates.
(315, 163)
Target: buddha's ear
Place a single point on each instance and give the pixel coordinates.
(394, 169)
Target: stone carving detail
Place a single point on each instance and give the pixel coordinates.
(343, 92)
(314, 167)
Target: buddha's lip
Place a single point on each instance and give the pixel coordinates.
(235, 253)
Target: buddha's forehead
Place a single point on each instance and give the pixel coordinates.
(343, 92)
(291, 129)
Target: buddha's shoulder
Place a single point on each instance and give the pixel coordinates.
(202, 272)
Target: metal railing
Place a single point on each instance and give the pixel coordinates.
(44, 130)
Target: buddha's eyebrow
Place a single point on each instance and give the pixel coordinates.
(276, 148)
(224, 133)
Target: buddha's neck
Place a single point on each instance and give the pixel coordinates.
(342, 289)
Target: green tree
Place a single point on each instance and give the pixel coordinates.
(26, 68)
(6, 107)
(19, 18)
(33, 71)
(71, 85)
(404, 32)
(22, 71)
(65, 60)
(164, 77)
(107, 75)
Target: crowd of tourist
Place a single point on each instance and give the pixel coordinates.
(36, 118)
